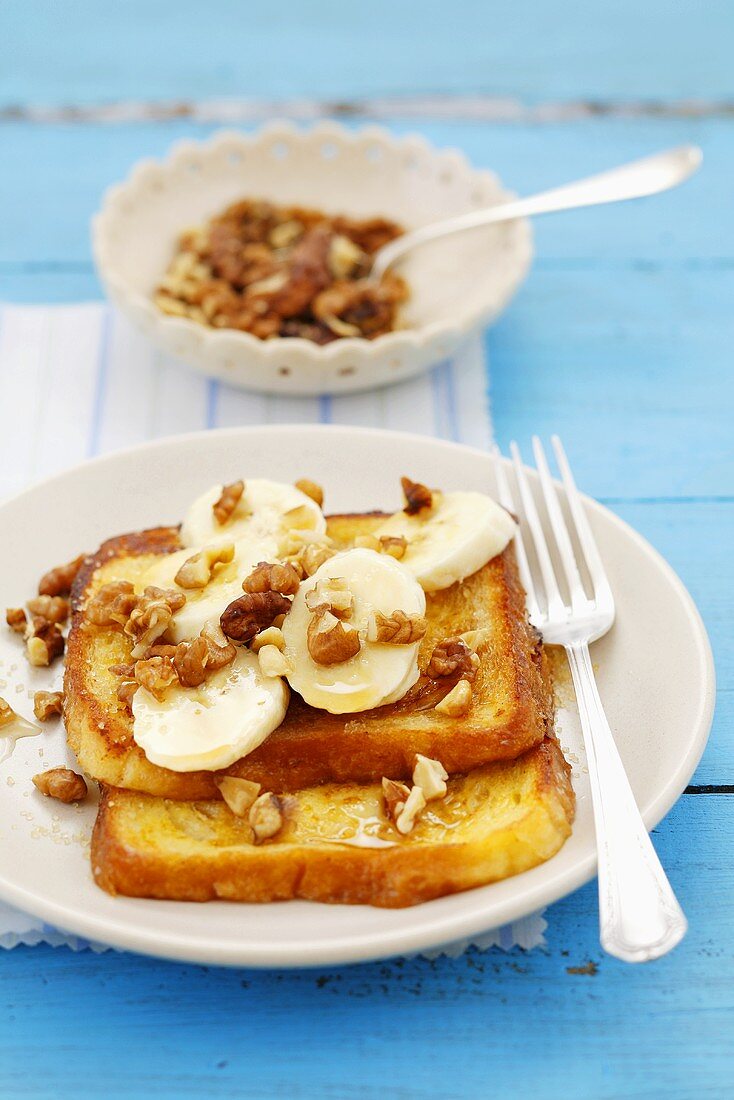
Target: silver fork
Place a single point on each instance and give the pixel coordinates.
(639, 915)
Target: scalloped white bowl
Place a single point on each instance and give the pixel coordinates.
(458, 285)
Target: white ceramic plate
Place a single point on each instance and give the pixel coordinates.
(655, 675)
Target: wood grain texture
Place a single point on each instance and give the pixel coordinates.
(481, 1025)
(621, 340)
(84, 52)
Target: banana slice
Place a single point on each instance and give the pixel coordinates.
(211, 726)
(379, 673)
(205, 605)
(263, 511)
(460, 534)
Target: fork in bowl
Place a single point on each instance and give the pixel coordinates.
(639, 916)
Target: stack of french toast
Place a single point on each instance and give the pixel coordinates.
(278, 705)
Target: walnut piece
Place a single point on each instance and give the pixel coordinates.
(396, 629)
(62, 784)
(266, 816)
(156, 675)
(151, 617)
(247, 616)
(430, 776)
(368, 542)
(16, 620)
(269, 577)
(45, 644)
(330, 641)
(239, 794)
(312, 490)
(55, 609)
(272, 662)
(196, 571)
(58, 581)
(300, 519)
(407, 817)
(458, 700)
(394, 545)
(417, 496)
(112, 605)
(125, 692)
(308, 559)
(333, 595)
(475, 639)
(48, 704)
(272, 635)
(453, 657)
(395, 795)
(229, 498)
(220, 651)
(189, 661)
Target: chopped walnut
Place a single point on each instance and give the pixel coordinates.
(156, 675)
(312, 490)
(228, 500)
(16, 619)
(268, 577)
(396, 629)
(414, 805)
(311, 557)
(430, 776)
(273, 270)
(220, 651)
(62, 784)
(272, 635)
(239, 794)
(45, 644)
(266, 816)
(48, 704)
(300, 519)
(189, 662)
(151, 617)
(458, 700)
(272, 662)
(395, 795)
(196, 571)
(55, 609)
(345, 257)
(394, 545)
(333, 595)
(475, 639)
(330, 641)
(247, 616)
(368, 542)
(417, 496)
(112, 605)
(453, 657)
(125, 692)
(58, 581)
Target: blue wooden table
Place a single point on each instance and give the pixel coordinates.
(621, 341)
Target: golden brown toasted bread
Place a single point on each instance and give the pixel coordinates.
(510, 711)
(497, 821)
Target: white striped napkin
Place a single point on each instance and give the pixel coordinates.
(76, 381)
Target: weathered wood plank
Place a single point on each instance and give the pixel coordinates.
(479, 1025)
(53, 178)
(86, 52)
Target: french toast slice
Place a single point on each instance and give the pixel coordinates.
(510, 712)
(336, 845)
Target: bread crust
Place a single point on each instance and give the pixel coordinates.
(499, 820)
(511, 712)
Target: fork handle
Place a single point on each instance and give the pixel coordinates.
(639, 915)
